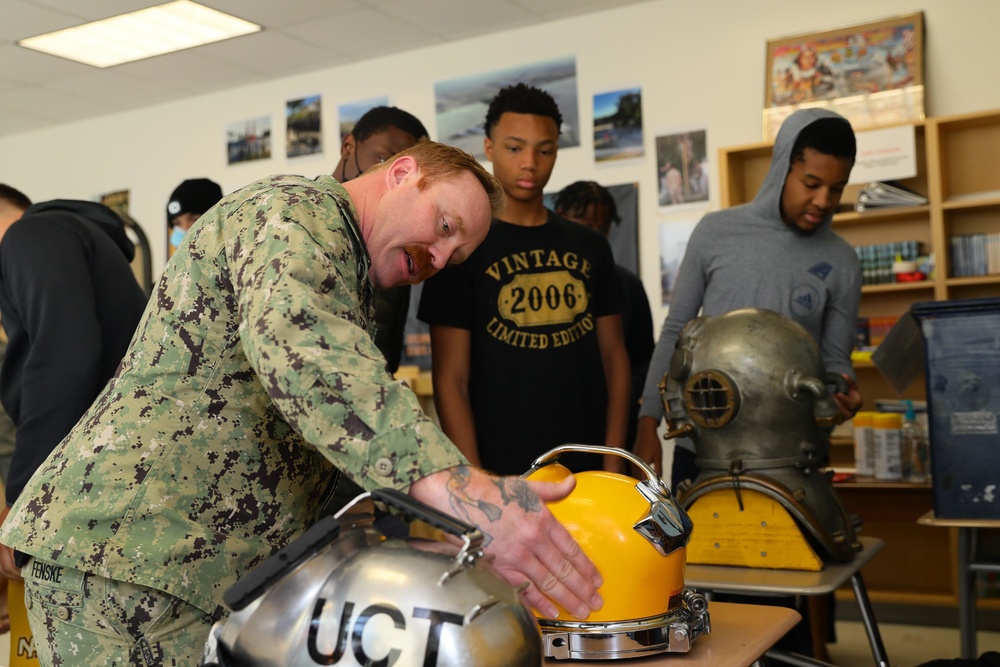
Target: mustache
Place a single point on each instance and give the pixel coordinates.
(421, 262)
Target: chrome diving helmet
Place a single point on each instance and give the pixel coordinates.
(635, 533)
(750, 389)
(343, 595)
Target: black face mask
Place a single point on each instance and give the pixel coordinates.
(357, 165)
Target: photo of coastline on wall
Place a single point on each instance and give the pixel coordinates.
(352, 111)
(618, 125)
(462, 103)
(249, 139)
(303, 127)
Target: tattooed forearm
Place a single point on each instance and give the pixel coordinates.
(461, 501)
(517, 490)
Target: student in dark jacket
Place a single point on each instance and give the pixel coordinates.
(70, 304)
(591, 204)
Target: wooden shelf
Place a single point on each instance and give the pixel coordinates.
(898, 287)
(974, 200)
(895, 213)
(973, 280)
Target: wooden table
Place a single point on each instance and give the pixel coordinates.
(760, 581)
(741, 634)
(968, 566)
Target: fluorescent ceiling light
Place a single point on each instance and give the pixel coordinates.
(141, 34)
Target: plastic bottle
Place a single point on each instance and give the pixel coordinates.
(887, 428)
(864, 444)
(913, 447)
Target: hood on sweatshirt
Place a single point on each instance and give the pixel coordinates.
(105, 218)
(767, 203)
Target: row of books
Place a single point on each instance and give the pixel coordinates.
(975, 254)
(877, 260)
(871, 331)
(880, 194)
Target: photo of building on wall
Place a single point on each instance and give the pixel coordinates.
(618, 125)
(682, 169)
(303, 127)
(249, 139)
(462, 103)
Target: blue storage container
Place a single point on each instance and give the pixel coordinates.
(962, 363)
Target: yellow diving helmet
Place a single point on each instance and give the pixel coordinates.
(635, 533)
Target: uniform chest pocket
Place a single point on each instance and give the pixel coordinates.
(52, 584)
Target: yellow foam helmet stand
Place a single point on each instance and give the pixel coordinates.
(22, 644)
(759, 534)
(600, 514)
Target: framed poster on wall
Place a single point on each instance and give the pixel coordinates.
(871, 73)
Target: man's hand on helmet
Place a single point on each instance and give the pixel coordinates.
(529, 544)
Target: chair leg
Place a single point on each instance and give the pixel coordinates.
(819, 620)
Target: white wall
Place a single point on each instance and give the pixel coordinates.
(700, 64)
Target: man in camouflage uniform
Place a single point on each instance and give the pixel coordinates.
(251, 384)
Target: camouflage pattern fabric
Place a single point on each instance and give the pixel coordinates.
(82, 619)
(251, 380)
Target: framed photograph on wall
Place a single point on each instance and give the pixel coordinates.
(674, 237)
(462, 103)
(871, 73)
(303, 126)
(682, 169)
(618, 125)
(249, 139)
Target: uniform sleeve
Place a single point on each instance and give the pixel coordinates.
(47, 278)
(296, 280)
(685, 304)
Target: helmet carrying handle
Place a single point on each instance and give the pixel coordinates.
(666, 526)
(469, 534)
(553, 455)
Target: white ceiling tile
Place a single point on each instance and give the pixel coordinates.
(189, 71)
(33, 67)
(93, 10)
(52, 105)
(459, 19)
(273, 52)
(280, 13)
(363, 33)
(25, 19)
(116, 89)
(37, 89)
(554, 9)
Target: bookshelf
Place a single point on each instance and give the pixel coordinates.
(956, 171)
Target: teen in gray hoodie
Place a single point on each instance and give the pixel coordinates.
(776, 252)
